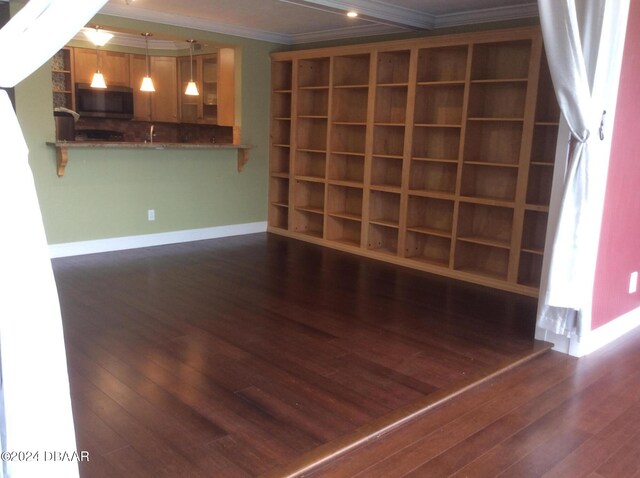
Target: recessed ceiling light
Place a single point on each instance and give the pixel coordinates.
(352, 14)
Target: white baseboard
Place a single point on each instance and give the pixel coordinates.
(595, 339)
(148, 240)
(606, 334)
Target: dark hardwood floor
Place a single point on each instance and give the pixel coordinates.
(258, 354)
(555, 416)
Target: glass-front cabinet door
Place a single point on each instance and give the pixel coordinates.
(209, 88)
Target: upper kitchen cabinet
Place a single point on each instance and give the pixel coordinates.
(214, 74)
(114, 66)
(161, 105)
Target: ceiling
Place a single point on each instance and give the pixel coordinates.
(303, 21)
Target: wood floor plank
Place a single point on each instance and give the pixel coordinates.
(598, 449)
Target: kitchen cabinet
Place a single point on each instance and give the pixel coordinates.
(161, 105)
(215, 77)
(114, 66)
(432, 153)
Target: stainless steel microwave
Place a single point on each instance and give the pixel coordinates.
(111, 102)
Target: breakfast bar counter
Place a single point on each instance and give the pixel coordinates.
(62, 149)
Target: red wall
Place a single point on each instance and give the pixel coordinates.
(619, 252)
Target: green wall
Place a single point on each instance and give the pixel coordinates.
(106, 193)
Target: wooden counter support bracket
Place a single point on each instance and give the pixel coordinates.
(62, 150)
(243, 158)
(62, 157)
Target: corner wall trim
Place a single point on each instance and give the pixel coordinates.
(147, 240)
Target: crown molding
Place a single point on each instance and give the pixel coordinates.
(486, 15)
(141, 14)
(384, 18)
(374, 10)
(347, 32)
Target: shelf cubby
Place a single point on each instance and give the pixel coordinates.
(483, 224)
(501, 60)
(280, 132)
(345, 202)
(483, 260)
(443, 64)
(433, 250)
(390, 105)
(279, 160)
(530, 269)
(383, 239)
(279, 191)
(312, 134)
(539, 185)
(308, 223)
(493, 142)
(439, 104)
(281, 75)
(547, 109)
(313, 72)
(344, 231)
(346, 167)
(279, 216)
(347, 138)
(430, 215)
(433, 176)
(393, 67)
(436, 143)
(309, 196)
(388, 140)
(489, 181)
(384, 208)
(313, 102)
(281, 105)
(310, 164)
(350, 70)
(534, 231)
(350, 105)
(543, 147)
(386, 171)
(498, 100)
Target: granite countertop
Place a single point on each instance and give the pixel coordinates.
(145, 145)
(62, 148)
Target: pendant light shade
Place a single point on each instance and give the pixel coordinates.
(192, 88)
(97, 36)
(147, 82)
(98, 80)
(147, 85)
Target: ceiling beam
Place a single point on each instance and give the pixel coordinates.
(375, 11)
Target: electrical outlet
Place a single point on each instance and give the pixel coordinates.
(151, 215)
(633, 282)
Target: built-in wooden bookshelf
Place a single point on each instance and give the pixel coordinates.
(432, 153)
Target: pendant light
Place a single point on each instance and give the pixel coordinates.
(192, 88)
(98, 38)
(98, 77)
(147, 82)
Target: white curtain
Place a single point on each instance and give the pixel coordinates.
(36, 414)
(583, 41)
